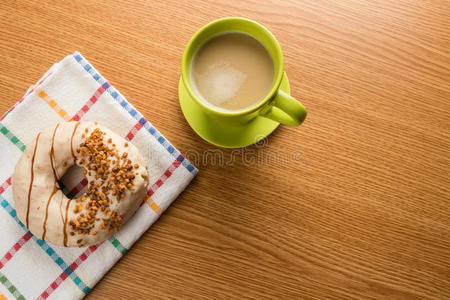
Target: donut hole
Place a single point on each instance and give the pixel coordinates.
(73, 183)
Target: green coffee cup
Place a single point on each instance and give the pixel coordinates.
(244, 127)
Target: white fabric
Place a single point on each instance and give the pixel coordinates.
(31, 269)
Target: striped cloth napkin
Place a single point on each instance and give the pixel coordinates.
(73, 90)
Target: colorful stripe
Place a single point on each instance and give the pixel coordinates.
(16, 247)
(5, 185)
(10, 136)
(53, 105)
(47, 249)
(65, 190)
(116, 243)
(10, 287)
(155, 207)
(165, 176)
(90, 102)
(79, 187)
(133, 112)
(60, 279)
(26, 94)
(134, 131)
(73, 193)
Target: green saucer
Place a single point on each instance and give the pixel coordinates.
(240, 135)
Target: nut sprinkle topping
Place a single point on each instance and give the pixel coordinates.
(114, 176)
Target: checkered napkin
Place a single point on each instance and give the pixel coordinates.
(73, 90)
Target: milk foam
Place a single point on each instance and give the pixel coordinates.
(223, 82)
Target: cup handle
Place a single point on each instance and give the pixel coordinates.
(285, 110)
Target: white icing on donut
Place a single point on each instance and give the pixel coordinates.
(42, 206)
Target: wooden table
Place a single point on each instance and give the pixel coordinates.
(355, 203)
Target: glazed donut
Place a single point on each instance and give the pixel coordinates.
(117, 183)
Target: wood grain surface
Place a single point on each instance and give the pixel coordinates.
(355, 203)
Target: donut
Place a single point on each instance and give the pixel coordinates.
(117, 183)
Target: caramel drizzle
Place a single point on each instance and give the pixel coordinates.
(52, 154)
(60, 209)
(32, 177)
(46, 212)
(65, 222)
(52, 157)
(70, 200)
(71, 140)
